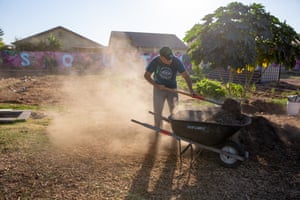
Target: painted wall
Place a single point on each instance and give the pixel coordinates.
(297, 65)
(41, 59)
(65, 60)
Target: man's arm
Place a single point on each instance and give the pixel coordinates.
(148, 77)
(188, 81)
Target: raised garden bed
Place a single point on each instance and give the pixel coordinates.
(9, 115)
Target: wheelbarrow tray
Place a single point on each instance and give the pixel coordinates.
(188, 124)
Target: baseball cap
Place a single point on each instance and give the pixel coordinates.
(166, 52)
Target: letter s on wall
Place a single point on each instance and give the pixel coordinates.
(25, 59)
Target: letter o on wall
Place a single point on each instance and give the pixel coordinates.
(67, 60)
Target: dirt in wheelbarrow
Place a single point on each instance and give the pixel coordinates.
(230, 113)
(113, 159)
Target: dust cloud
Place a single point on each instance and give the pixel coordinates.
(97, 109)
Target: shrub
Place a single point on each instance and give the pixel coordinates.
(235, 90)
(211, 88)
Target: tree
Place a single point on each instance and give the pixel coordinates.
(1, 40)
(50, 44)
(53, 43)
(241, 37)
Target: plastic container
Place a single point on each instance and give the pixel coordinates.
(293, 105)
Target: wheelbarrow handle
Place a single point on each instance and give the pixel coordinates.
(162, 117)
(157, 129)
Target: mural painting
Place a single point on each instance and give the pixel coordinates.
(56, 61)
(47, 60)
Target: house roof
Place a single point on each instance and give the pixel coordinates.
(61, 28)
(150, 40)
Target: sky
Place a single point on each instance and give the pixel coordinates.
(95, 19)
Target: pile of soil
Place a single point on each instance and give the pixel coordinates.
(265, 138)
(229, 113)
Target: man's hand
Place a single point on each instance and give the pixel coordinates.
(193, 93)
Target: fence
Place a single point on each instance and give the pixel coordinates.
(223, 75)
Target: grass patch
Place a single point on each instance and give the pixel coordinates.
(23, 135)
(282, 102)
(19, 106)
(46, 108)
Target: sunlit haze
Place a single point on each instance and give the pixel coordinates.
(95, 19)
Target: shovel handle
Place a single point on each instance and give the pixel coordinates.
(192, 95)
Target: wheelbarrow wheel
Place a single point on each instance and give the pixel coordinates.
(233, 148)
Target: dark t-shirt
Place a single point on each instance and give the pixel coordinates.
(165, 74)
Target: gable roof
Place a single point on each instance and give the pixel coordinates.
(150, 40)
(63, 29)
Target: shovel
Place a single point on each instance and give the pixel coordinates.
(193, 96)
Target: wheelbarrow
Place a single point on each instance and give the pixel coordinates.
(189, 126)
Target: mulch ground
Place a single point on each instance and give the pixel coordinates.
(148, 166)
